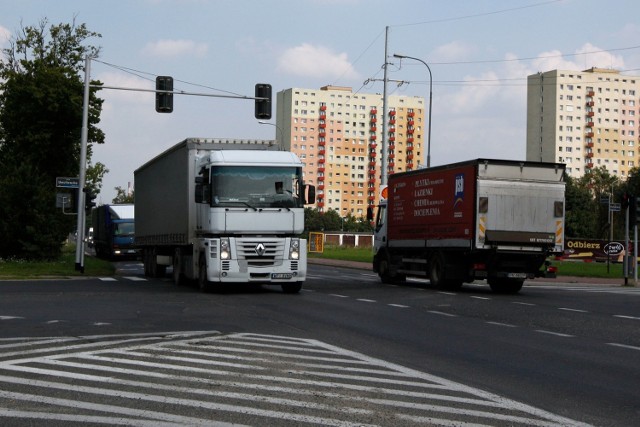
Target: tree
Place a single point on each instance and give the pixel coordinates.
(41, 97)
(123, 196)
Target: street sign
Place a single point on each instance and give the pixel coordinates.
(614, 207)
(604, 200)
(67, 182)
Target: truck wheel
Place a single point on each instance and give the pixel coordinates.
(506, 286)
(385, 274)
(291, 288)
(437, 268)
(178, 268)
(203, 283)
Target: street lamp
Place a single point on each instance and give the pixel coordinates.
(395, 55)
(262, 122)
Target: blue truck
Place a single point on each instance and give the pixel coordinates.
(114, 231)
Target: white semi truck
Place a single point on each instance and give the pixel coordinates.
(221, 210)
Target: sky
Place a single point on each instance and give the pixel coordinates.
(480, 53)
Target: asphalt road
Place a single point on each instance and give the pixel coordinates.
(347, 350)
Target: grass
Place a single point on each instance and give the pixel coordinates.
(64, 267)
(565, 268)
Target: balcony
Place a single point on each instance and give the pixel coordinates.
(392, 113)
(321, 169)
(374, 111)
(321, 187)
(391, 156)
(372, 137)
(323, 108)
(322, 134)
(372, 154)
(589, 124)
(392, 138)
(373, 120)
(322, 125)
(590, 114)
(590, 103)
(589, 134)
(411, 114)
(410, 139)
(373, 145)
(411, 123)
(373, 129)
(321, 178)
(589, 155)
(589, 165)
(392, 121)
(322, 143)
(591, 93)
(589, 144)
(409, 157)
(321, 161)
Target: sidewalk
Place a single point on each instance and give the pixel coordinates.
(560, 280)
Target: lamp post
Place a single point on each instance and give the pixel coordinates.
(395, 55)
(262, 122)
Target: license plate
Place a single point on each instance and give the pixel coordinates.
(277, 276)
(517, 275)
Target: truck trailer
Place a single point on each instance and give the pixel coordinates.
(220, 210)
(113, 231)
(493, 220)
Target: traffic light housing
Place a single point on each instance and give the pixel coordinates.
(89, 199)
(263, 106)
(634, 213)
(164, 100)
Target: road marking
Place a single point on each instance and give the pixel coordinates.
(441, 313)
(483, 298)
(624, 346)
(447, 293)
(621, 316)
(135, 278)
(218, 379)
(557, 334)
(572, 309)
(523, 303)
(365, 300)
(398, 305)
(10, 317)
(108, 279)
(508, 325)
(339, 296)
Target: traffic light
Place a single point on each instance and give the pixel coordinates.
(634, 211)
(263, 106)
(164, 101)
(89, 199)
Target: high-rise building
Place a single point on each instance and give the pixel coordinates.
(585, 119)
(338, 133)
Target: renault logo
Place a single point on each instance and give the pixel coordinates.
(260, 249)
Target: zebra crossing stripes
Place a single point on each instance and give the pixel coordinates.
(204, 378)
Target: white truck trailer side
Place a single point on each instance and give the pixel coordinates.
(223, 211)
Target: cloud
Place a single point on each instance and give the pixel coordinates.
(173, 48)
(308, 60)
(583, 58)
(453, 51)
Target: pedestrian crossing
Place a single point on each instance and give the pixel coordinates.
(209, 378)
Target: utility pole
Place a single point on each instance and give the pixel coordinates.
(385, 113)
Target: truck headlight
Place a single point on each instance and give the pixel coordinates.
(294, 249)
(225, 251)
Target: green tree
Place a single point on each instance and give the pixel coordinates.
(41, 97)
(123, 196)
(581, 216)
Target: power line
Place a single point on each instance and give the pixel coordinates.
(478, 15)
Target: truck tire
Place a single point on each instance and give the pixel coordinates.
(178, 268)
(291, 288)
(438, 273)
(203, 283)
(505, 286)
(384, 271)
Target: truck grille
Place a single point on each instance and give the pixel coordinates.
(260, 252)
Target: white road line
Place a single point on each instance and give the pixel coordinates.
(107, 279)
(447, 293)
(483, 298)
(523, 303)
(10, 317)
(621, 316)
(631, 347)
(135, 278)
(575, 310)
(557, 334)
(441, 313)
(338, 295)
(508, 325)
(365, 300)
(398, 305)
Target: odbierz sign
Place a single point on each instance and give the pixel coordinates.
(598, 250)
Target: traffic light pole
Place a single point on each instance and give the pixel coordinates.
(83, 166)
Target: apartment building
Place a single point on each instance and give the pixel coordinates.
(338, 135)
(585, 119)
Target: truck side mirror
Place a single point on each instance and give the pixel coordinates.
(369, 214)
(309, 194)
(199, 190)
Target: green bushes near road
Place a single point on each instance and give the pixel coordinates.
(63, 267)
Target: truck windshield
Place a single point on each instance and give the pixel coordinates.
(124, 229)
(256, 187)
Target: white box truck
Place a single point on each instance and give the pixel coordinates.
(221, 210)
(497, 220)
